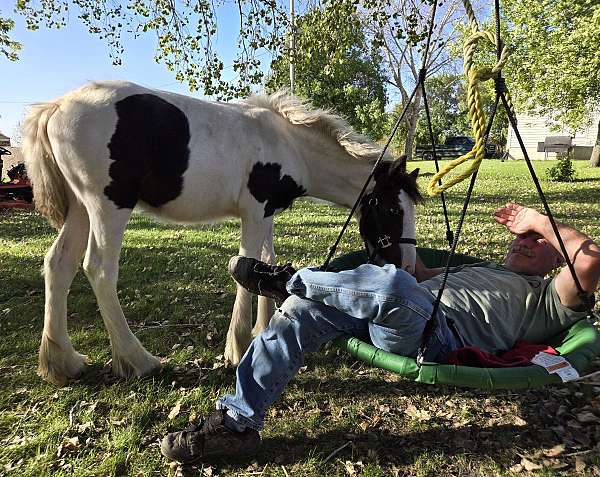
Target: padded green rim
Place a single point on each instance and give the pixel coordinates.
(579, 345)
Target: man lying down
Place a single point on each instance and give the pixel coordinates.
(489, 306)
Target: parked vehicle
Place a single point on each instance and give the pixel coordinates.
(454, 146)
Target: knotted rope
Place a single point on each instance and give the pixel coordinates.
(476, 113)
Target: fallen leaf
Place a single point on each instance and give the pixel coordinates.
(420, 414)
(528, 465)
(68, 443)
(353, 468)
(71, 443)
(519, 421)
(175, 411)
(554, 451)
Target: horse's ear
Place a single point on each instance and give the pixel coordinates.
(381, 170)
(402, 162)
(415, 173)
(398, 168)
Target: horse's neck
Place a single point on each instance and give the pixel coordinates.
(335, 175)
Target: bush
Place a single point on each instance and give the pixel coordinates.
(562, 171)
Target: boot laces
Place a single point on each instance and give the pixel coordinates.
(272, 270)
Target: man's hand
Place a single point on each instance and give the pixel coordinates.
(518, 219)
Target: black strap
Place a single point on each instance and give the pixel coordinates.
(422, 75)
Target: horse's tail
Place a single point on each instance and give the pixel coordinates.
(49, 185)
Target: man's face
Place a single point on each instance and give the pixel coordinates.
(531, 254)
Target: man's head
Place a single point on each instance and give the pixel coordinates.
(532, 254)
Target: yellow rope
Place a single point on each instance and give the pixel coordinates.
(476, 113)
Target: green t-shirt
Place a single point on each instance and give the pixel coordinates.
(493, 307)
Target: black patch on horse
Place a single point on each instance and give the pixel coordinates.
(150, 152)
(266, 185)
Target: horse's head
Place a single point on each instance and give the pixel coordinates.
(387, 215)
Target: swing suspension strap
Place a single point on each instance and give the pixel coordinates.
(449, 233)
(476, 116)
(420, 84)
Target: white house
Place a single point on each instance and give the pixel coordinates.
(535, 129)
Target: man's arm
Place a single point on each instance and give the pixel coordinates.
(585, 256)
(583, 252)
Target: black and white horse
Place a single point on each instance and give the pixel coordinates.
(98, 152)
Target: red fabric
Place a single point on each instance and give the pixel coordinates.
(520, 355)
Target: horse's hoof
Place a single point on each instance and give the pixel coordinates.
(137, 366)
(61, 373)
(57, 365)
(232, 356)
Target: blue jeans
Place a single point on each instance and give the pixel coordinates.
(385, 305)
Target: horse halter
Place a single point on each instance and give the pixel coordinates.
(383, 240)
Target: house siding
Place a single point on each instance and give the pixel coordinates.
(534, 129)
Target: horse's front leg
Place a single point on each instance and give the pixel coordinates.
(266, 306)
(239, 334)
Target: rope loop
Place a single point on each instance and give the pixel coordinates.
(475, 109)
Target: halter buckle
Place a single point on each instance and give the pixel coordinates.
(384, 241)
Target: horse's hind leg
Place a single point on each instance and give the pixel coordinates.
(58, 360)
(101, 265)
(266, 306)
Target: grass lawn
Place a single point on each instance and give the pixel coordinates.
(177, 297)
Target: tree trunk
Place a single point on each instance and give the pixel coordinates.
(595, 157)
(412, 118)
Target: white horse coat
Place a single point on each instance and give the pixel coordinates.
(98, 152)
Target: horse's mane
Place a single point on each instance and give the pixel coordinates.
(300, 112)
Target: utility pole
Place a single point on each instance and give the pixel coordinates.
(292, 46)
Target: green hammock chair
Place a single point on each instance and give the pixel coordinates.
(579, 345)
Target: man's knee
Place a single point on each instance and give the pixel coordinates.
(286, 316)
(293, 306)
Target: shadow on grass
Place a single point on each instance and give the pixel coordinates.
(586, 179)
(388, 448)
(401, 448)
